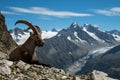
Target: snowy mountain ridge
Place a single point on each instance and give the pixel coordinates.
(20, 36)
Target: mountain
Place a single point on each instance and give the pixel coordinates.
(20, 35)
(108, 62)
(72, 44)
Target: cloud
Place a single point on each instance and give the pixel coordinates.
(6, 12)
(48, 12)
(115, 11)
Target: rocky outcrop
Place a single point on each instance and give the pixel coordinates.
(6, 42)
(22, 71)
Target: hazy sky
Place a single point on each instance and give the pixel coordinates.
(60, 14)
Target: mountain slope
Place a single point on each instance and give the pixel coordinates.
(77, 65)
(109, 62)
(98, 34)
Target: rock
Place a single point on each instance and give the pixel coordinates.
(77, 78)
(2, 55)
(101, 75)
(4, 67)
(23, 65)
(8, 63)
(5, 70)
(7, 44)
(64, 77)
(20, 70)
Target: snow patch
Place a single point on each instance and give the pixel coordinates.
(20, 39)
(48, 34)
(75, 24)
(59, 35)
(69, 38)
(97, 52)
(78, 39)
(93, 35)
(117, 37)
(70, 53)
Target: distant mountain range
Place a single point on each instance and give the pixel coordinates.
(20, 35)
(73, 46)
(85, 33)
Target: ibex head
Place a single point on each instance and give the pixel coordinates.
(36, 36)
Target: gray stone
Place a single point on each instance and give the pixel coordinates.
(4, 69)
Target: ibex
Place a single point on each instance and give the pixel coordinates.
(26, 52)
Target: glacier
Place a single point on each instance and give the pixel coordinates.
(77, 65)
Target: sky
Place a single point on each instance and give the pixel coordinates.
(59, 14)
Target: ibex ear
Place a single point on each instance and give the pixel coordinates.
(30, 33)
(38, 28)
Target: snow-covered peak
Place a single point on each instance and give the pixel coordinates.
(48, 34)
(90, 27)
(93, 35)
(74, 25)
(85, 25)
(89, 33)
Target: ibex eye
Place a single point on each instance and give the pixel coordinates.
(37, 37)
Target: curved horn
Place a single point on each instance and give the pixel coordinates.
(28, 24)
